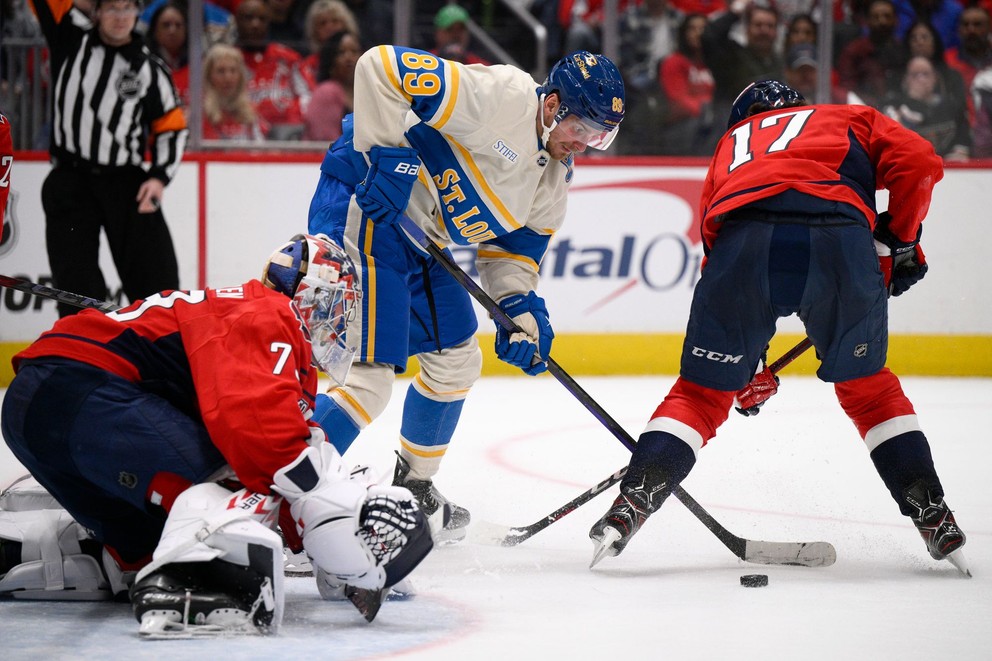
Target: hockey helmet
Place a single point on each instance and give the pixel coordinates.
(591, 88)
(761, 96)
(321, 279)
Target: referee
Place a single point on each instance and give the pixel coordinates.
(112, 100)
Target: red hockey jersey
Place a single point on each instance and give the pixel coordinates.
(236, 358)
(835, 157)
(6, 162)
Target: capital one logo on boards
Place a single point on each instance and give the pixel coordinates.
(623, 241)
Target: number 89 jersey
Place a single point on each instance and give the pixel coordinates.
(821, 160)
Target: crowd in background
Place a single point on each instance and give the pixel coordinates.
(284, 69)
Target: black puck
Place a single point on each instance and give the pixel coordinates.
(754, 580)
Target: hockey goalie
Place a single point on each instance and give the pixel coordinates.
(167, 437)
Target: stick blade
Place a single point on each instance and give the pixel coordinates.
(802, 554)
(495, 534)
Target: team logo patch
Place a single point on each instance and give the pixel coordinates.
(542, 160)
(8, 237)
(127, 480)
(129, 85)
(861, 351)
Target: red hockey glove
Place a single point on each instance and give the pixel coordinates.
(903, 263)
(751, 397)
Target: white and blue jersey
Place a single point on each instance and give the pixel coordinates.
(486, 180)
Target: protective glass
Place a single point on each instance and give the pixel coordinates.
(327, 310)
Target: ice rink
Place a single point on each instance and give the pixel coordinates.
(525, 446)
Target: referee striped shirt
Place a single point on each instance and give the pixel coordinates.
(108, 100)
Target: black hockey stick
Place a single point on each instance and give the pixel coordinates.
(732, 542)
(59, 295)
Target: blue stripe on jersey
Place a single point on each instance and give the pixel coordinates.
(467, 217)
(524, 241)
(423, 77)
(429, 423)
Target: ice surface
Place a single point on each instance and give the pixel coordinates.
(797, 472)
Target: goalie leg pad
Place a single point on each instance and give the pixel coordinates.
(217, 552)
(53, 565)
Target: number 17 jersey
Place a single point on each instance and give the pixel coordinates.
(826, 159)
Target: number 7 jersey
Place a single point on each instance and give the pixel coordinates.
(822, 159)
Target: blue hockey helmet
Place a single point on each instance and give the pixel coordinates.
(322, 281)
(591, 88)
(761, 96)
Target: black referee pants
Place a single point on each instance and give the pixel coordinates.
(78, 202)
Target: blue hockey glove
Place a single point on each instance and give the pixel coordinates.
(385, 192)
(520, 349)
(903, 263)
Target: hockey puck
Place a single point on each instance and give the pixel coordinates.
(754, 580)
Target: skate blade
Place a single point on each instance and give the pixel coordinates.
(604, 547)
(956, 558)
(368, 602)
(168, 625)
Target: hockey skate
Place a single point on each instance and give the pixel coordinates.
(186, 600)
(636, 502)
(448, 522)
(935, 521)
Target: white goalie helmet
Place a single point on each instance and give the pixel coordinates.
(322, 281)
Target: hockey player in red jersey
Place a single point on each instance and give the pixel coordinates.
(788, 211)
(174, 429)
(6, 161)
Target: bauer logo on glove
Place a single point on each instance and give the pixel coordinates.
(385, 192)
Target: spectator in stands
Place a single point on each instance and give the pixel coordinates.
(166, 37)
(975, 50)
(688, 87)
(648, 34)
(801, 29)
(735, 66)
(802, 69)
(920, 105)
(218, 23)
(325, 18)
(276, 83)
(922, 39)
(333, 97)
(228, 113)
(870, 66)
(981, 128)
(941, 14)
(286, 18)
(704, 7)
(451, 36)
(582, 23)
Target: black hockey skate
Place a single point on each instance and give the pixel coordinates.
(630, 510)
(448, 522)
(187, 599)
(936, 523)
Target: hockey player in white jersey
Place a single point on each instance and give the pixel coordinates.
(473, 155)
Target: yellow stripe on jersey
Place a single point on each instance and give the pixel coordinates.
(430, 393)
(453, 82)
(414, 449)
(481, 181)
(499, 254)
(369, 288)
(385, 54)
(352, 405)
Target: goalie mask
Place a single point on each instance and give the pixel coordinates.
(591, 88)
(321, 279)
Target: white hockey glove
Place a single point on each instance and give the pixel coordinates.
(368, 537)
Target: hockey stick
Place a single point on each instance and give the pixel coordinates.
(771, 553)
(59, 295)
